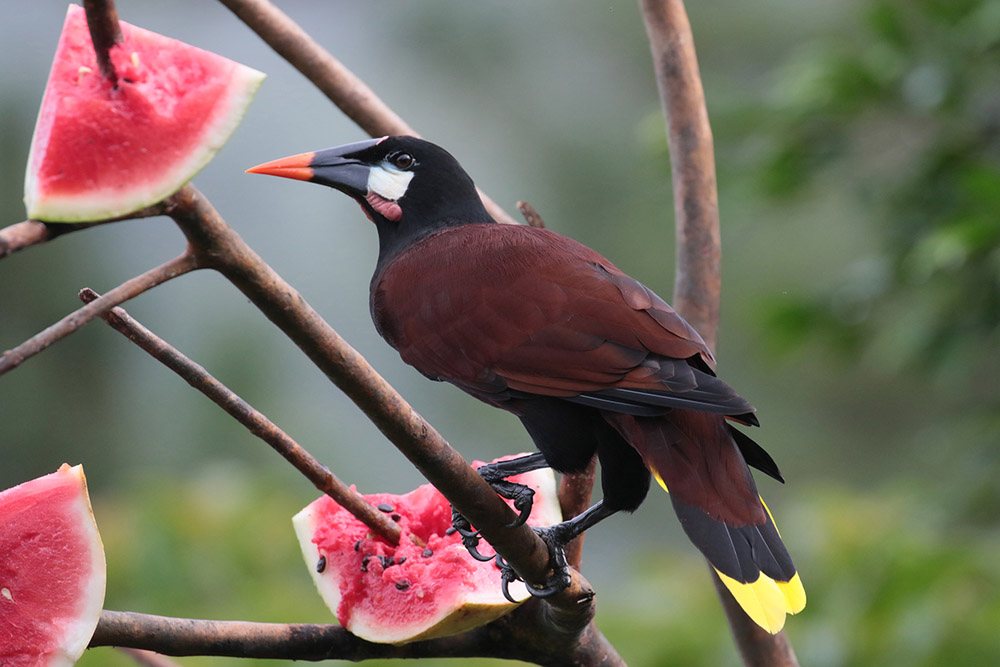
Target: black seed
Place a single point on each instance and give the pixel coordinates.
(402, 584)
(357, 545)
(385, 507)
(450, 531)
(428, 552)
(401, 560)
(321, 565)
(364, 563)
(396, 516)
(386, 561)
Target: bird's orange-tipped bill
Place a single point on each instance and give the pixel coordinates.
(295, 166)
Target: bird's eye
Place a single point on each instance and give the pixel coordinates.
(402, 160)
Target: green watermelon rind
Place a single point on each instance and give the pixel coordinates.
(78, 633)
(104, 205)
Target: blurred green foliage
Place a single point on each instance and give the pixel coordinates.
(905, 116)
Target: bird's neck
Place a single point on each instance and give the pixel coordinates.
(395, 237)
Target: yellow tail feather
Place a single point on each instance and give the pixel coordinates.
(766, 601)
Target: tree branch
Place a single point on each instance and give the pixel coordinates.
(178, 266)
(351, 95)
(254, 420)
(509, 637)
(148, 658)
(21, 235)
(105, 32)
(698, 280)
(698, 270)
(575, 490)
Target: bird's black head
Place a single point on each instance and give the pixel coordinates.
(407, 186)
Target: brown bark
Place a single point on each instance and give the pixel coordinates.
(696, 218)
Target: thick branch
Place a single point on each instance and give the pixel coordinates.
(698, 271)
(352, 95)
(698, 279)
(254, 420)
(178, 266)
(509, 638)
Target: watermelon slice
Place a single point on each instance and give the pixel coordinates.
(52, 571)
(100, 152)
(428, 586)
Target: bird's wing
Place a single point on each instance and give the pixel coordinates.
(498, 309)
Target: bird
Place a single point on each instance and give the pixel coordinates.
(589, 359)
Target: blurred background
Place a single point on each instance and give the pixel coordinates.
(858, 149)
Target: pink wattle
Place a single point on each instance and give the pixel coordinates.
(389, 210)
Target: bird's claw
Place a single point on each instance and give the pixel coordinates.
(557, 582)
(522, 495)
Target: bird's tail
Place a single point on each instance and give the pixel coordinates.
(698, 460)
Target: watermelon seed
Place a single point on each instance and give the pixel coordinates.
(6, 593)
(428, 552)
(357, 545)
(402, 559)
(321, 565)
(364, 563)
(402, 584)
(386, 561)
(396, 516)
(385, 507)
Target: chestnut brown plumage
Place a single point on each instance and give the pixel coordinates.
(589, 359)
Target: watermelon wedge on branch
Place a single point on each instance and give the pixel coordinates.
(52, 571)
(101, 151)
(428, 586)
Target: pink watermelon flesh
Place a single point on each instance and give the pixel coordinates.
(426, 587)
(100, 152)
(52, 571)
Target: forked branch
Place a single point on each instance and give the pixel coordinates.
(254, 420)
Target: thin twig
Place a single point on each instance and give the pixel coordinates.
(21, 235)
(254, 420)
(352, 95)
(531, 216)
(178, 266)
(575, 490)
(698, 270)
(148, 658)
(105, 32)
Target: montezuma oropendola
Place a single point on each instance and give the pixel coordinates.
(589, 359)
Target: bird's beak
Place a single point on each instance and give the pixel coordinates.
(333, 167)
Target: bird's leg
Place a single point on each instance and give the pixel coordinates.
(556, 538)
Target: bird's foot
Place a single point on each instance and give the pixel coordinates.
(521, 495)
(470, 536)
(557, 581)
